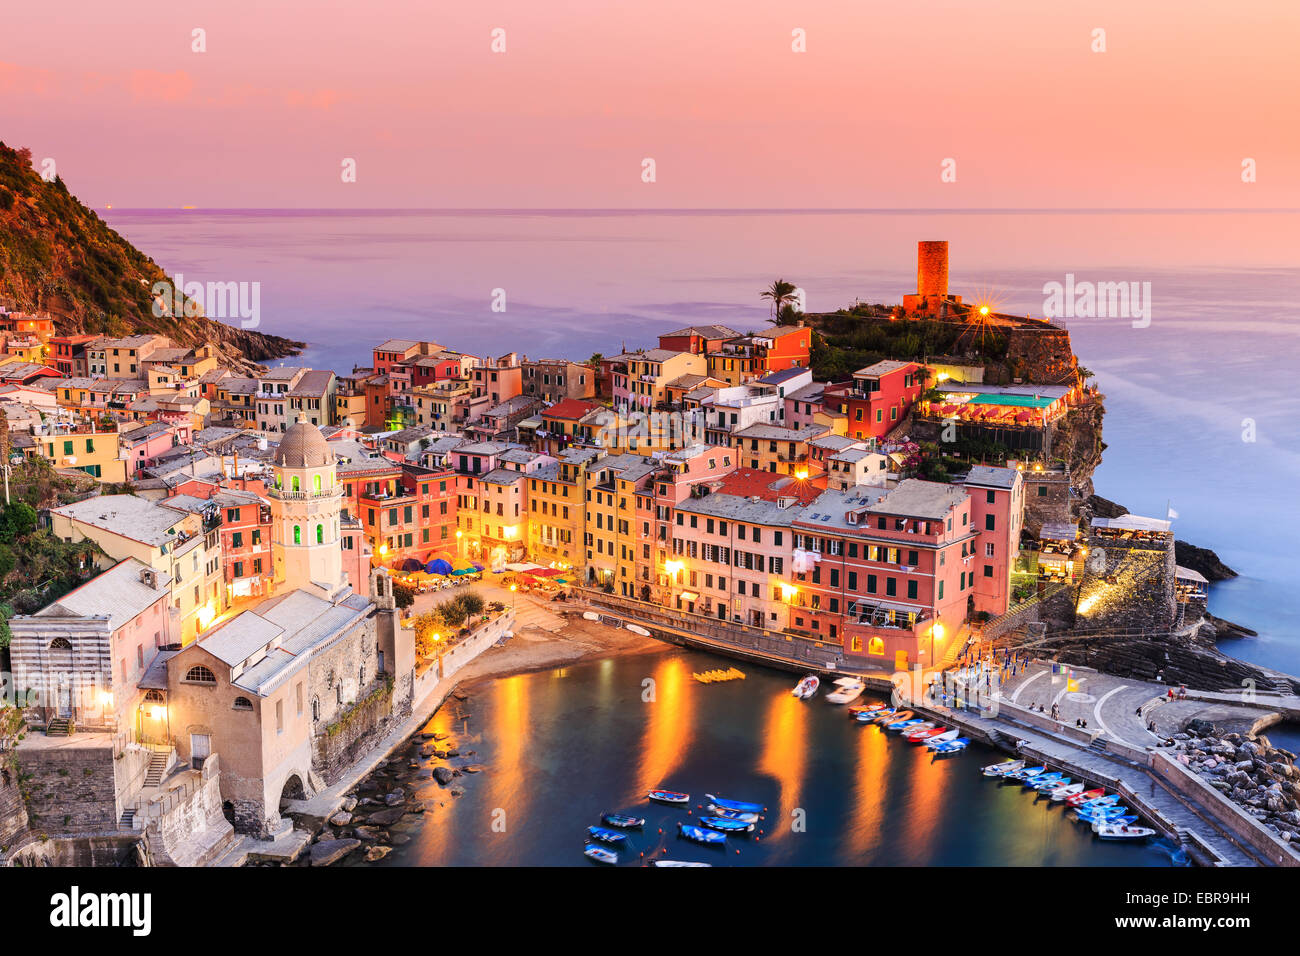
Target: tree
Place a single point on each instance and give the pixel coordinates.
(17, 521)
(596, 359)
(780, 293)
(403, 595)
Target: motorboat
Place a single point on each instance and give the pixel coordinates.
(949, 746)
(1060, 793)
(622, 820)
(1124, 832)
(1105, 814)
(807, 687)
(920, 736)
(860, 709)
(1042, 778)
(850, 689)
(669, 796)
(740, 806)
(727, 825)
(943, 738)
(1078, 799)
(871, 716)
(1024, 772)
(1114, 822)
(701, 835)
(1003, 768)
(606, 835)
(600, 854)
(898, 726)
(896, 718)
(1048, 786)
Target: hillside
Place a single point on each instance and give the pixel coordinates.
(58, 256)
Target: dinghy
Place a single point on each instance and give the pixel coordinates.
(727, 824)
(1098, 802)
(738, 805)
(638, 630)
(600, 854)
(1114, 822)
(701, 835)
(898, 726)
(1047, 786)
(1003, 768)
(1043, 778)
(606, 835)
(677, 863)
(850, 689)
(919, 734)
(1081, 798)
(734, 814)
(871, 716)
(1105, 814)
(622, 820)
(669, 796)
(865, 709)
(807, 687)
(949, 746)
(1125, 832)
(1024, 772)
(897, 717)
(942, 738)
(1060, 793)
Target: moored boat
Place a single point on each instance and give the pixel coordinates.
(1105, 814)
(1048, 786)
(1114, 821)
(850, 689)
(949, 746)
(1060, 793)
(738, 805)
(622, 820)
(896, 717)
(701, 835)
(1024, 772)
(1002, 769)
(1079, 799)
(871, 716)
(899, 726)
(677, 863)
(727, 824)
(1125, 832)
(920, 734)
(858, 709)
(943, 738)
(606, 835)
(807, 687)
(1038, 778)
(744, 816)
(669, 796)
(600, 854)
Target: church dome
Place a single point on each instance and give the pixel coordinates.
(303, 446)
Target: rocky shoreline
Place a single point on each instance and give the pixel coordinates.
(1261, 779)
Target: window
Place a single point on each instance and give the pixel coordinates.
(297, 534)
(200, 675)
(988, 522)
(315, 708)
(60, 644)
(243, 703)
(320, 534)
(279, 716)
(988, 570)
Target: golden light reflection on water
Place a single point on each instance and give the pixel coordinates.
(784, 758)
(871, 786)
(669, 726)
(506, 789)
(928, 781)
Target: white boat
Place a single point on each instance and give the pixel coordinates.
(676, 863)
(1124, 832)
(1060, 793)
(850, 689)
(590, 616)
(1004, 768)
(637, 629)
(943, 738)
(807, 687)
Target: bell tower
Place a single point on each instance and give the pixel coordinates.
(306, 502)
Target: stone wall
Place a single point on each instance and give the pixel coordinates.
(1047, 499)
(186, 827)
(70, 789)
(1040, 354)
(13, 813)
(355, 731)
(1134, 589)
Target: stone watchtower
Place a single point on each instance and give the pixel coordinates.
(306, 502)
(396, 643)
(931, 297)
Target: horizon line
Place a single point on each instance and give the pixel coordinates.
(725, 210)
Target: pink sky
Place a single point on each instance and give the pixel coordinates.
(708, 88)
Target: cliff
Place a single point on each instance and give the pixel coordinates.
(58, 256)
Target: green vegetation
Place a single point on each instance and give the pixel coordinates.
(848, 340)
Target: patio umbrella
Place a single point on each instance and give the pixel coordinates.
(411, 564)
(438, 566)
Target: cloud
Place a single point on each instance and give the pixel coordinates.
(153, 85)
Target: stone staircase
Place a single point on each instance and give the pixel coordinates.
(59, 727)
(158, 761)
(127, 820)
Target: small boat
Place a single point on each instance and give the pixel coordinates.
(1114, 822)
(622, 820)
(606, 835)
(738, 805)
(734, 814)
(1102, 813)
(1003, 768)
(1081, 798)
(1024, 772)
(1048, 786)
(1060, 793)
(638, 630)
(807, 687)
(600, 854)
(677, 863)
(1125, 832)
(590, 616)
(850, 689)
(898, 726)
(870, 716)
(921, 734)
(669, 796)
(949, 746)
(886, 719)
(1042, 778)
(859, 709)
(942, 738)
(1098, 802)
(727, 824)
(701, 835)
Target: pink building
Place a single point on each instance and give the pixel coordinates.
(997, 513)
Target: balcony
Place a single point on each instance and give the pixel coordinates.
(284, 495)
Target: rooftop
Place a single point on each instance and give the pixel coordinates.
(119, 594)
(136, 518)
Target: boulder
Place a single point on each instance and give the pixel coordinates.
(385, 818)
(396, 797)
(331, 851)
(443, 775)
(377, 853)
(349, 803)
(341, 819)
(368, 834)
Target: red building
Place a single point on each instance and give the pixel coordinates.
(69, 354)
(752, 356)
(697, 339)
(406, 511)
(997, 513)
(878, 398)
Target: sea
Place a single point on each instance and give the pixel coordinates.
(1200, 426)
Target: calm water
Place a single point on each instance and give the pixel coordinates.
(1223, 340)
(561, 747)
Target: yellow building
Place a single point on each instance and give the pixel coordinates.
(89, 446)
(650, 373)
(557, 510)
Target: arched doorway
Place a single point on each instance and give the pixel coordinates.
(292, 789)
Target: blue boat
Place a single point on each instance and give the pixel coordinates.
(701, 835)
(951, 746)
(734, 814)
(598, 853)
(622, 820)
(1042, 778)
(605, 835)
(1107, 801)
(1101, 813)
(870, 716)
(727, 825)
(1048, 785)
(739, 805)
(669, 796)
(902, 725)
(1024, 772)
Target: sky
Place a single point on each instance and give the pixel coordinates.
(1014, 93)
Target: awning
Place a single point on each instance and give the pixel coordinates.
(690, 596)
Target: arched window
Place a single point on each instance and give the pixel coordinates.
(199, 674)
(320, 534)
(297, 534)
(296, 485)
(876, 646)
(154, 697)
(60, 644)
(315, 482)
(243, 703)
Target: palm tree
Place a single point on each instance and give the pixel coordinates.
(781, 293)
